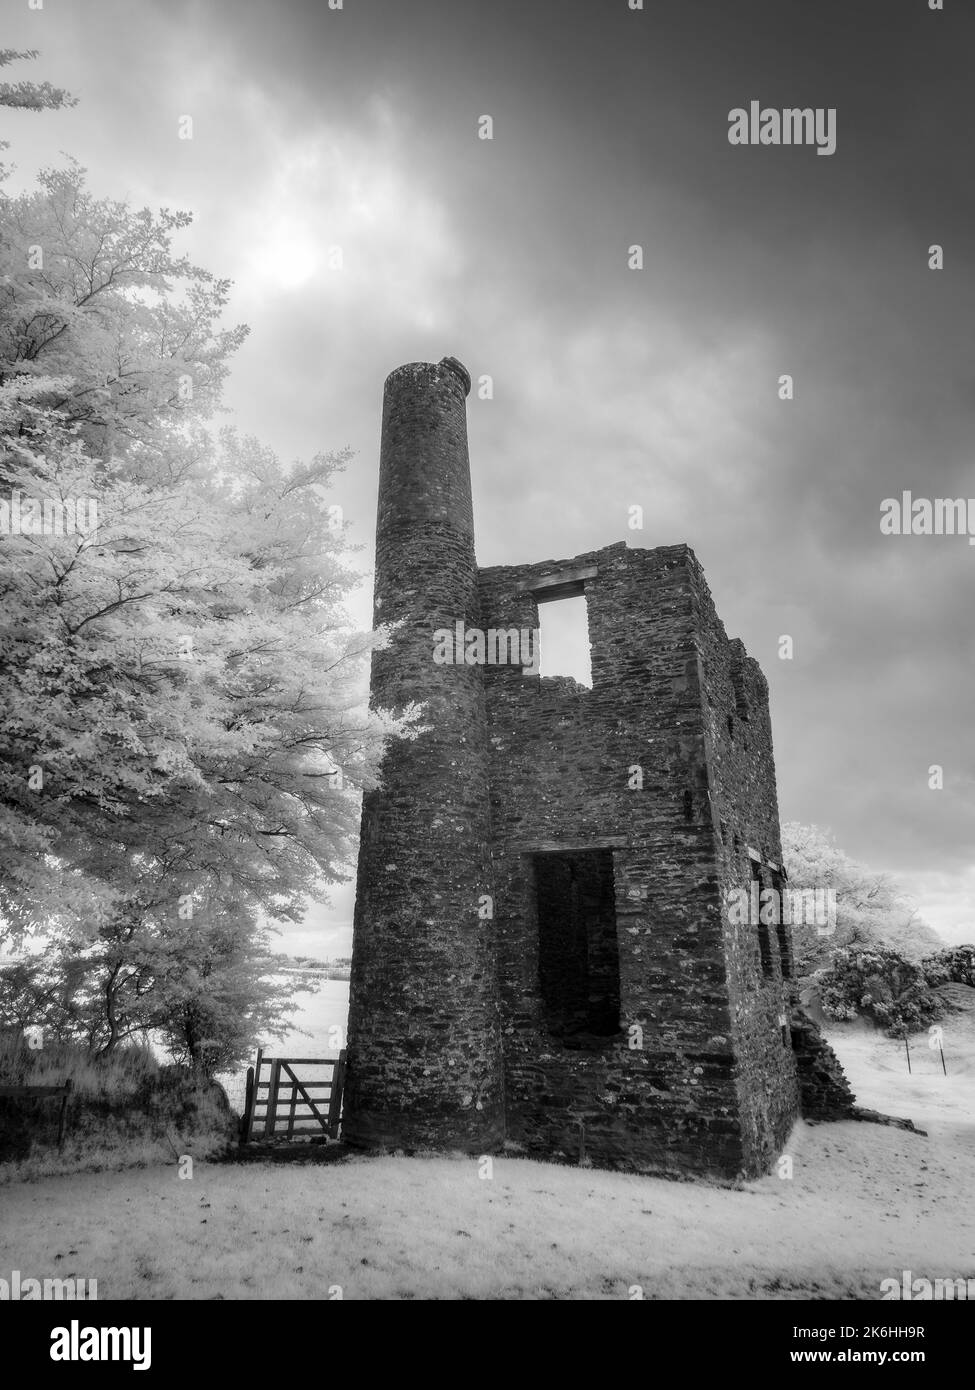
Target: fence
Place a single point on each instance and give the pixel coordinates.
(235, 1088)
(311, 1105)
(43, 1093)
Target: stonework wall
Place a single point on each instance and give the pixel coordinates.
(609, 1006)
(824, 1090)
(738, 750)
(711, 1085)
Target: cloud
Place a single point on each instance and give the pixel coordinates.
(946, 902)
(358, 129)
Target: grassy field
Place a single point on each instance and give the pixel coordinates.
(864, 1203)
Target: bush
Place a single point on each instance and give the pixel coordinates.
(124, 1109)
(118, 1073)
(878, 983)
(954, 965)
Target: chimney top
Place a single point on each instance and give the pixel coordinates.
(457, 367)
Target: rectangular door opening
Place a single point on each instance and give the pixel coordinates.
(578, 951)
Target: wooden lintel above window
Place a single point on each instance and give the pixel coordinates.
(567, 583)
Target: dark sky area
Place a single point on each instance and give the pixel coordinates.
(612, 387)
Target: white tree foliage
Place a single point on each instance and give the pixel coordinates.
(179, 684)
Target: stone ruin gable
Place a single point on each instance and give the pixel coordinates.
(560, 760)
(745, 817)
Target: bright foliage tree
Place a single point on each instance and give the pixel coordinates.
(185, 732)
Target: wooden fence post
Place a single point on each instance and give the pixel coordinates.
(335, 1096)
(293, 1083)
(64, 1112)
(272, 1097)
(249, 1127)
(248, 1106)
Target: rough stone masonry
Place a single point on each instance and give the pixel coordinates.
(542, 955)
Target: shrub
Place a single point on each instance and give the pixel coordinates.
(124, 1109)
(955, 965)
(878, 983)
(117, 1073)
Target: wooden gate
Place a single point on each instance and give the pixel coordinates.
(280, 1104)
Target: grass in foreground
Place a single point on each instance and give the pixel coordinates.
(864, 1204)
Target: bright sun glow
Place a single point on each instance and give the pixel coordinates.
(287, 258)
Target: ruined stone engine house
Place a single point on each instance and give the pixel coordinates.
(542, 952)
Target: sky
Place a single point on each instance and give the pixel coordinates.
(358, 128)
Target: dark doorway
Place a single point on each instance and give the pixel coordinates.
(578, 953)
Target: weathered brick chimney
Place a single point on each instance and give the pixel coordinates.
(424, 1040)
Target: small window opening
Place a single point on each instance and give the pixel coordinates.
(742, 706)
(761, 928)
(782, 929)
(563, 638)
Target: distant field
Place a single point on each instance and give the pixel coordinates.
(876, 1068)
(314, 1016)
